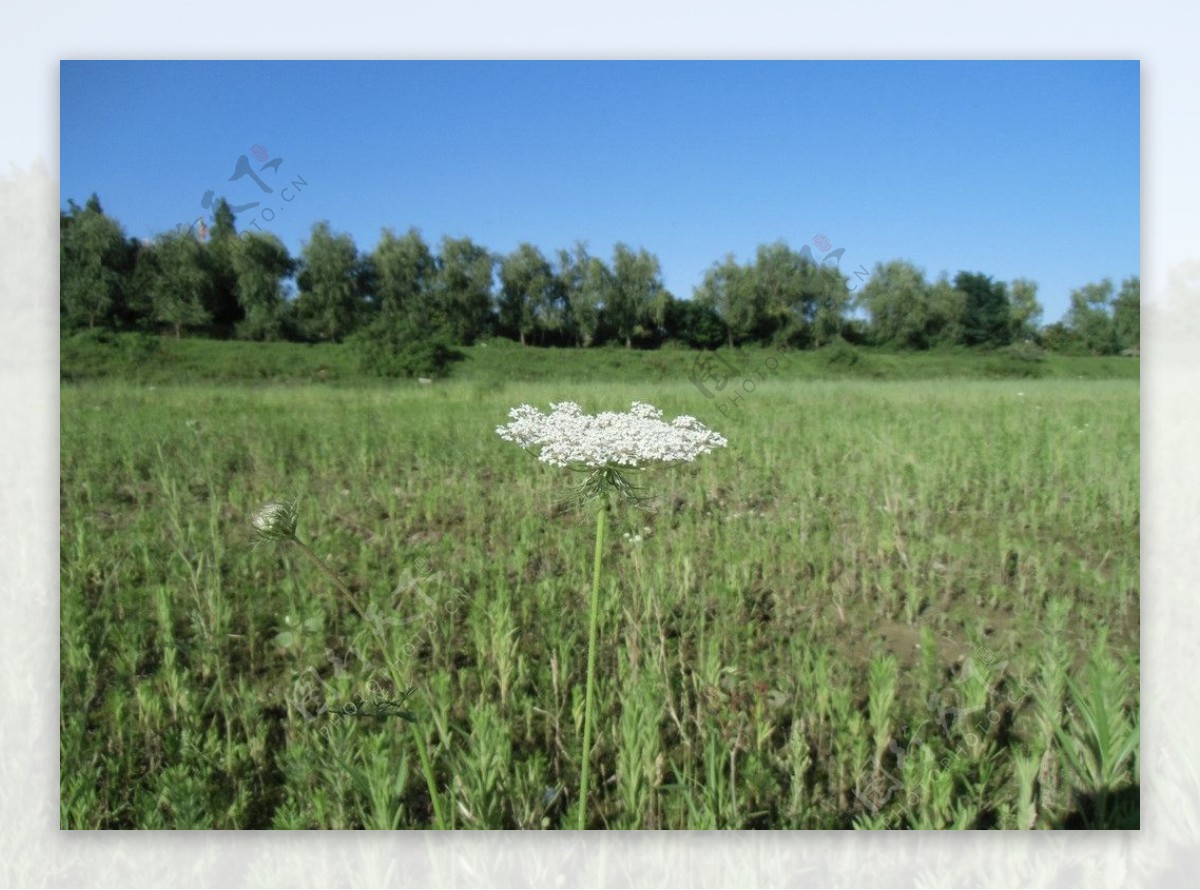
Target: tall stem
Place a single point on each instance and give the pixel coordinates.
(393, 672)
(593, 620)
(332, 576)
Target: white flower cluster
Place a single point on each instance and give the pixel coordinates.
(570, 438)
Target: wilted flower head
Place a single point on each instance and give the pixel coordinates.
(570, 438)
(275, 521)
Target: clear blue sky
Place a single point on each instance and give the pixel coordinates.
(1013, 169)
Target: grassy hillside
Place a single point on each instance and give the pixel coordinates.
(147, 359)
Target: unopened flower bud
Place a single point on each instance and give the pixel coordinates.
(275, 521)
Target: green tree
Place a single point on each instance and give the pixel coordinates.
(405, 272)
(1058, 337)
(401, 345)
(729, 289)
(261, 264)
(826, 311)
(582, 282)
(178, 281)
(464, 289)
(783, 293)
(224, 307)
(527, 291)
(660, 314)
(554, 316)
(986, 313)
(95, 265)
(635, 286)
(898, 301)
(1090, 319)
(1127, 314)
(944, 318)
(1025, 312)
(782, 280)
(330, 302)
(695, 323)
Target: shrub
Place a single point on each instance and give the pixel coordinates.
(706, 328)
(1012, 366)
(841, 354)
(99, 353)
(1024, 352)
(398, 347)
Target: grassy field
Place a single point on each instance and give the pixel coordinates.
(887, 604)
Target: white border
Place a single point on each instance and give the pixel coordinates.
(34, 852)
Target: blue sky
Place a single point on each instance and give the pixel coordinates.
(1014, 169)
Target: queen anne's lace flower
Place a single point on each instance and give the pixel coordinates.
(569, 438)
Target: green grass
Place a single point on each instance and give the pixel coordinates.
(863, 613)
(154, 360)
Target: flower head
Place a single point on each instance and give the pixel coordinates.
(275, 521)
(569, 438)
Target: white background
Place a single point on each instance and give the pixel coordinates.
(32, 849)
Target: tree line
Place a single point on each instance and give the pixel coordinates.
(222, 283)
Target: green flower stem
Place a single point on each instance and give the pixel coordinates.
(593, 620)
(439, 820)
(332, 576)
(393, 671)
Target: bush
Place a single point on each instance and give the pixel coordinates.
(1024, 352)
(1061, 339)
(1010, 366)
(397, 347)
(100, 353)
(841, 354)
(842, 358)
(696, 324)
(706, 329)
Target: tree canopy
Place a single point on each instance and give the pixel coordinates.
(248, 285)
(330, 302)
